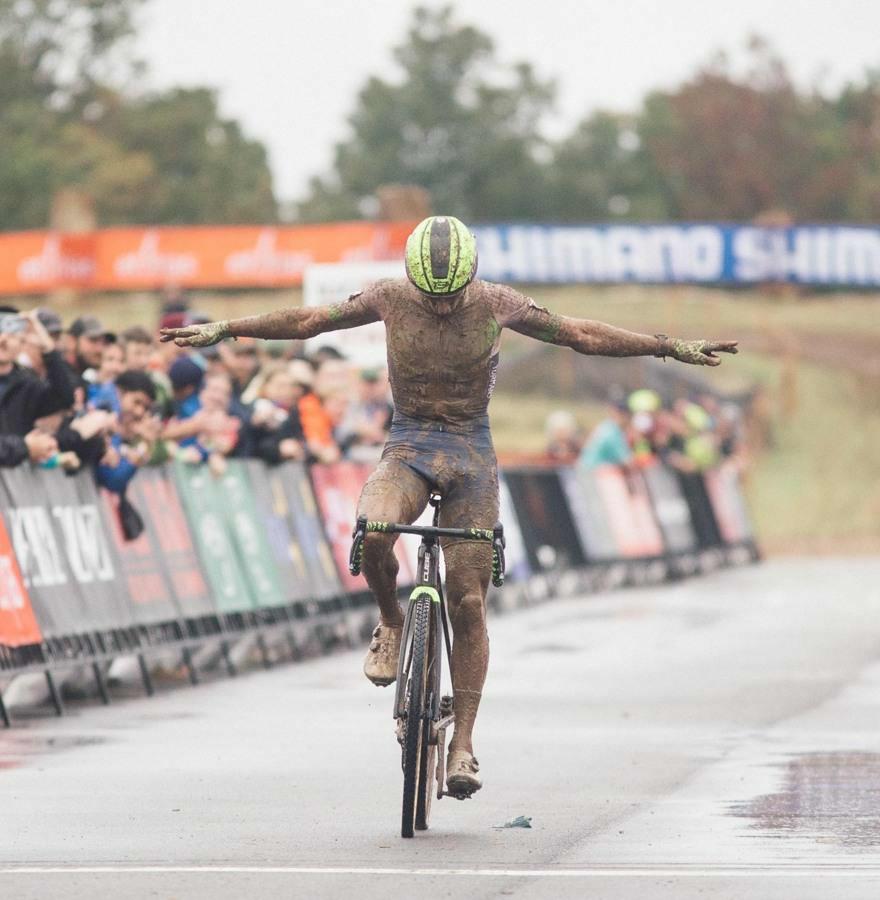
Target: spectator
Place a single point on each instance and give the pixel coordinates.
(86, 345)
(130, 444)
(316, 424)
(608, 443)
(101, 393)
(275, 424)
(138, 347)
(361, 427)
(563, 437)
(24, 396)
(141, 355)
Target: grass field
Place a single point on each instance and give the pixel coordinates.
(816, 489)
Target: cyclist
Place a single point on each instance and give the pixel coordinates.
(443, 330)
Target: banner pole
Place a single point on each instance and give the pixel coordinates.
(53, 693)
(99, 681)
(149, 690)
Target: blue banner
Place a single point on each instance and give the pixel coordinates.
(833, 255)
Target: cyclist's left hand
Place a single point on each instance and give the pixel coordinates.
(700, 353)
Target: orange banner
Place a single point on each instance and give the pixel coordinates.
(18, 625)
(120, 259)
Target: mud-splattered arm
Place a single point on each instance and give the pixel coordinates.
(294, 323)
(598, 339)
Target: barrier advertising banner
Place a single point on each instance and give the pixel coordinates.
(121, 259)
(155, 497)
(587, 510)
(544, 518)
(204, 512)
(308, 528)
(63, 550)
(515, 557)
(338, 489)
(248, 534)
(670, 508)
(151, 593)
(628, 511)
(842, 255)
(18, 624)
(722, 485)
(276, 518)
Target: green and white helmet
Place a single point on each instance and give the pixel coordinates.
(441, 256)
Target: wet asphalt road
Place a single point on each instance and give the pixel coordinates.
(719, 738)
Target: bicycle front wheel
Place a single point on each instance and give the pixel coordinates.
(416, 737)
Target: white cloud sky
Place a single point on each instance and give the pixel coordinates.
(289, 70)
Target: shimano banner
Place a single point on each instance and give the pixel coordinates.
(835, 255)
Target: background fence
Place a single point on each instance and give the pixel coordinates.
(263, 551)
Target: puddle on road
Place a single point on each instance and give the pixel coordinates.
(829, 797)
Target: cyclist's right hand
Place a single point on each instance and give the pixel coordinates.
(196, 335)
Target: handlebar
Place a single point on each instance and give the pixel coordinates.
(495, 536)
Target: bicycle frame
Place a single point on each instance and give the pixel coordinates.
(429, 583)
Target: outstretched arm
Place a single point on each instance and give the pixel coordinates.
(598, 339)
(294, 323)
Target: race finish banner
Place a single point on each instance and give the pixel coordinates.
(154, 496)
(63, 550)
(18, 624)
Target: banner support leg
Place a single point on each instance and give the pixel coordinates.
(227, 659)
(99, 681)
(145, 676)
(291, 643)
(187, 661)
(264, 650)
(4, 715)
(53, 693)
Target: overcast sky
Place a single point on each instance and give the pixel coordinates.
(290, 70)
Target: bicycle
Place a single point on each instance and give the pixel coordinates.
(418, 697)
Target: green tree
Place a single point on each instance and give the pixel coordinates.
(69, 117)
(457, 123)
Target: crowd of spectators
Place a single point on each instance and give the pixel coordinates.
(82, 395)
(690, 435)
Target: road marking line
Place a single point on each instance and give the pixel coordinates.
(683, 871)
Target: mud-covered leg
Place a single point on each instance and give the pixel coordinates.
(394, 493)
(468, 569)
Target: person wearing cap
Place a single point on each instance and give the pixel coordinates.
(86, 339)
(24, 396)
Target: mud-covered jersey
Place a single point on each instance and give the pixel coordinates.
(443, 358)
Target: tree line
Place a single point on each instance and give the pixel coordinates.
(456, 121)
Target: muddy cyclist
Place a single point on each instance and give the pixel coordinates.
(443, 328)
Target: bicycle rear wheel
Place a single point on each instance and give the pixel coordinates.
(415, 741)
